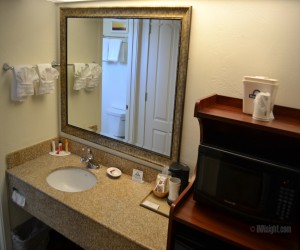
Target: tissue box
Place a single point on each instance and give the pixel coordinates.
(254, 85)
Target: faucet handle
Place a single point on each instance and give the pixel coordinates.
(82, 158)
(89, 159)
(89, 154)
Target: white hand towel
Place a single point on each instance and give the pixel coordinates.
(47, 75)
(105, 45)
(93, 80)
(81, 73)
(123, 52)
(114, 50)
(24, 77)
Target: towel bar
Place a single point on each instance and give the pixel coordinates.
(7, 67)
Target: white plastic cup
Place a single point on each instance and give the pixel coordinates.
(262, 107)
(174, 186)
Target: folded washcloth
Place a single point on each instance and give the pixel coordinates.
(93, 80)
(114, 50)
(47, 75)
(24, 77)
(81, 73)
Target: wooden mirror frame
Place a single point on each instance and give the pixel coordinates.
(176, 13)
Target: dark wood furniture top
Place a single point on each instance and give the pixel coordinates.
(220, 225)
(228, 109)
(224, 125)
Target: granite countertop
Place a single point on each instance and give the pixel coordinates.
(112, 203)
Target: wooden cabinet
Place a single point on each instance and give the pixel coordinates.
(192, 226)
(224, 125)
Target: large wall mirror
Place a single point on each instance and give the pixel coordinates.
(123, 77)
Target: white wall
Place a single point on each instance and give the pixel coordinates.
(84, 107)
(229, 39)
(28, 36)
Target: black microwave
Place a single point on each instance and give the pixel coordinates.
(256, 189)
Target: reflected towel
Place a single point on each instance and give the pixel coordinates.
(105, 44)
(93, 80)
(114, 50)
(47, 77)
(81, 73)
(24, 77)
(123, 52)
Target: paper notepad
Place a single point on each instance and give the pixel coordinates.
(150, 204)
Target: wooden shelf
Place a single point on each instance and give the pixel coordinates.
(222, 108)
(224, 125)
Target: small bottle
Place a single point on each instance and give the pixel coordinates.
(66, 145)
(53, 146)
(59, 146)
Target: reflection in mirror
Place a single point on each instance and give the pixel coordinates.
(133, 99)
(124, 78)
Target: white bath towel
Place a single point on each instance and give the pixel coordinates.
(81, 73)
(48, 76)
(114, 50)
(24, 77)
(93, 80)
(123, 52)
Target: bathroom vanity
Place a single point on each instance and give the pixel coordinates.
(109, 215)
(106, 216)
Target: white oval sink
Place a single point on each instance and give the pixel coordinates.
(71, 179)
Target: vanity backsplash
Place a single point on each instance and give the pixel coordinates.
(103, 158)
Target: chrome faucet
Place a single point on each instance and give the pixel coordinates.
(89, 160)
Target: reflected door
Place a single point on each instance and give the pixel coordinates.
(162, 63)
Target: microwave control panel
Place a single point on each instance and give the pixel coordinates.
(286, 199)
